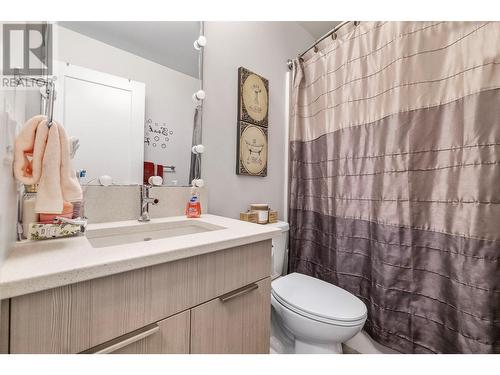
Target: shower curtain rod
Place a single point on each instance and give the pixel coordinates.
(333, 31)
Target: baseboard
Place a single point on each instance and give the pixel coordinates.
(362, 343)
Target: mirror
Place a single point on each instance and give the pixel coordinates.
(125, 90)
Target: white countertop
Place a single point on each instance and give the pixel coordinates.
(32, 266)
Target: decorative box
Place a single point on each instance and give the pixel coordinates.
(47, 231)
(249, 216)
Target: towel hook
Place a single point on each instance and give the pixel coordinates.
(50, 103)
(49, 95)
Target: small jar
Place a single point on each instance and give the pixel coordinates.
(262, 211)
(31, 188)
(29, 214)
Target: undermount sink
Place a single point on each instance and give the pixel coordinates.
(140, 232)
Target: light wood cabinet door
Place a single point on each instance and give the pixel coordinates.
(4, 326)
(168, 336)
(237, 322)
(76, 317)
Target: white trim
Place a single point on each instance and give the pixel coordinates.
(364, 344)
(63, 71)
(287, 144)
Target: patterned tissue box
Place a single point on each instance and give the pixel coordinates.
(47, 231)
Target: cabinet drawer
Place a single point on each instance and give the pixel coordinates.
(168, 336)
(238, 322)
(74, 318)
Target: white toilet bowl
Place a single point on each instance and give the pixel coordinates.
(313, 316)
(309, 315)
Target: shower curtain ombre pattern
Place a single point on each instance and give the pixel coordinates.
(395, 179)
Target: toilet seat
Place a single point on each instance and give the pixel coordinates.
(318, 318)
(318, 300)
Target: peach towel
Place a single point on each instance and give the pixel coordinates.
(50, 166)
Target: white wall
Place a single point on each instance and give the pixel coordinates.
(264, 48)
(12, 116)
(12, 105)
(168, 94)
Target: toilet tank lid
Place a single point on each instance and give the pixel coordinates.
(283, 225)
(318, 298)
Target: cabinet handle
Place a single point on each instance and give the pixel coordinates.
(238, 292)
(123, 341)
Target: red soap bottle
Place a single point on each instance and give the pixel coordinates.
(193, 207)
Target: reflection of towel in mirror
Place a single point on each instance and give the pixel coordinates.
(74, 144)
(195, 167)
(50, 164)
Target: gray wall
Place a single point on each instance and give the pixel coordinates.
(262, 47)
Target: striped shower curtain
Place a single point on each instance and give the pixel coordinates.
(395, 179)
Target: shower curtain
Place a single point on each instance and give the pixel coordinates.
(395, 179)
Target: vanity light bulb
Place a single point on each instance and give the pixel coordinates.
(198, 149)
(199, 95)
(198, 182)
(200, 42)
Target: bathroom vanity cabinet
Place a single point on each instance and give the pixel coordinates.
(217, 302)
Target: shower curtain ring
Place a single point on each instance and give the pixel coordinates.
(334, 36)
(315, 49)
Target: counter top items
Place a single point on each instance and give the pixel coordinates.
(193, 206)
(260, 213)
(46, 226)
(111, 248)
(250, 216)
(39, 231)
(28, 214)
(31, 188)
(67, 213)
(273, 216)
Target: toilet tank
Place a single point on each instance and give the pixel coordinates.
(280, 250)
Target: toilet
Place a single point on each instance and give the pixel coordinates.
(309, 316)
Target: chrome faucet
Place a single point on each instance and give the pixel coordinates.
(145, 202)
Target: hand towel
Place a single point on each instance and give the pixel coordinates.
(50, 166)
(25, 170)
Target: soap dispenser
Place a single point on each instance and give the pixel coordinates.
(193, 206)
